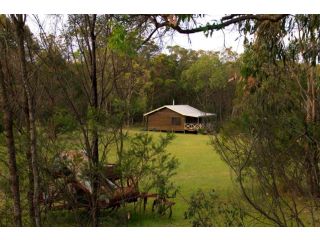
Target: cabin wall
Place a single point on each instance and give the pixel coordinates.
(162, 121)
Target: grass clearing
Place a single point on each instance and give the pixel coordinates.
(200, 167)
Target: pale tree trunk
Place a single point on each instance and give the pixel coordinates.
(19, 21)
(311, 96)
(311, 115)
(308, 43)
(311, 147)
(8, 130)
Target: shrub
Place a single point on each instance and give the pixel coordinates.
(63, 121)
(148, 162)
(207, 210)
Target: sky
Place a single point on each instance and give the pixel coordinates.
(217, 42)
(197, 41)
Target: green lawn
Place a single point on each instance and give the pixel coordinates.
(200, 167)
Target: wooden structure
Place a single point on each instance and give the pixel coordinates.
(70, 189)
(176, 118)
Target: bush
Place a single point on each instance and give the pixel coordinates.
(207, 210)
(64, 121)
(150, 165)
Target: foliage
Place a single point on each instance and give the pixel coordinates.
(271, 138)
(207, 72)
(151, 166)
(123, 42)
(207, 210)
(207, 81)
(64, 122)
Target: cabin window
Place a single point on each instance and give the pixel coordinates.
(176, 121)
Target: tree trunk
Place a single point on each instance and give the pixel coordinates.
(8, 130)
(220, 105)
(29, 161)
(311, 96)
(19, 21)
(128, 115)
(95, 137)
(311, 149)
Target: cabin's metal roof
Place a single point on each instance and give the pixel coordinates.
(184, 110)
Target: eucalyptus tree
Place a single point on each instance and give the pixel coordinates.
(19, 22)
(272, 143)
(129, 63)
(86, 44)
(93, 61)
(203, 77)
(8, 118)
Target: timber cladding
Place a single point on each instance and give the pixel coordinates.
(165, 120)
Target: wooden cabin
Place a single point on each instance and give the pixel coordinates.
(176, 118)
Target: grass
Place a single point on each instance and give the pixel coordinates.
(200, 167)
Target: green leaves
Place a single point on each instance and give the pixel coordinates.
(206, 71)
(64, 121)
(208, 210)
(150, 164)
(123, 42)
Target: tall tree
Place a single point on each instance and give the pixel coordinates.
(19, 22)
(8, 129)
(90, 59)
(272, 141)
(91, 21)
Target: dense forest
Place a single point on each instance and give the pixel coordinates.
(75, 89)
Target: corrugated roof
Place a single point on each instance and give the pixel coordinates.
(184, 110)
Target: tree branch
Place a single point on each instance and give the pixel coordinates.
(231, 19)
